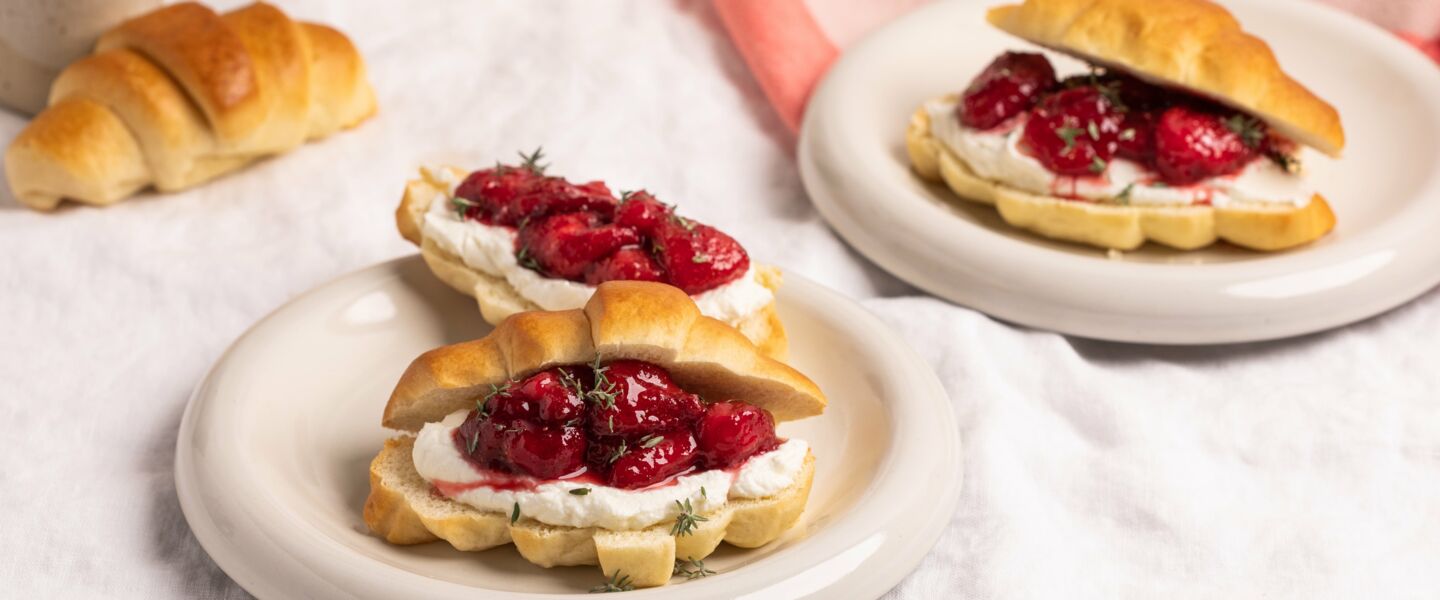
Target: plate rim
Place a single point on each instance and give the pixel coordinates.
(283, 572)
(992, 289)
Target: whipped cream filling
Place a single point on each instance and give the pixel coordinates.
(437, 459)
(995, 155)
(490, 249)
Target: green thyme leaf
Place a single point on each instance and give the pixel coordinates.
(683, 222)
(473, 442)
(700, 258)
(1093, 130)
(1250, 130)
(526, 260)
(461, 205)
(617, 453)
(1123, 197)
(691, 568)
(616, 583)
(1127, 135)
(1286, 162)
(532, 161)
(1097, 165)
(569, 379)
(1068, 134)
(580, 491)
(515, 514)
(650, 441)
(603, 393)
(496, 390)
(687, 520)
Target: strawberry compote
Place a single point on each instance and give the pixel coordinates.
(624, 424)
(1076, 126)
(584, 233)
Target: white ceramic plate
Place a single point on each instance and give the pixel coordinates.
(1385, 191)
(274, 449)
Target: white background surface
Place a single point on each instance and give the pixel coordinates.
(1307, 468)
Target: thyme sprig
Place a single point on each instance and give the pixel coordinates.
(616, 583)
(617, 453)
(687, 520)
(532, 161)
(569, 379)
(1068, 135)
(1251, 132)
(462, 205)
(496, 390)
(675, 218)
(1286, 162)
(603, 392)
(691, 568)
(526, 260)
(1123, 198)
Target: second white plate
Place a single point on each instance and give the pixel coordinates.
(1386, 192)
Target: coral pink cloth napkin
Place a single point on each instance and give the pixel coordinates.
(790, 43)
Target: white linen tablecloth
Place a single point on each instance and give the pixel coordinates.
(1308, 468)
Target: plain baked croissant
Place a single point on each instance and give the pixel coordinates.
(182, 94)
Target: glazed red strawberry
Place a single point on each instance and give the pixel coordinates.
(1193, 144)
(487, 194)
(651, 460)
(553, 195)
(1074, 132)
(553, 394)
(635, 398)
(699, 257)
(546, 452)
(1126, 92)
(1136, 140)
(731, 432)
(564, 245)
(506, 406)
(643, 213)
(626, 264)
(482, 441)
(1007, 87)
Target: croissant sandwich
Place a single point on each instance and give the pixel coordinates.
(516, 238)
(634, 434)
(1184, 131)
(180, 95)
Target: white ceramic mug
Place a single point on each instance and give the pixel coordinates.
(39, 37)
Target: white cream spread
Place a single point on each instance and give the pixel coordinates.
(438, 459)
(995, 155)
(490, 249)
